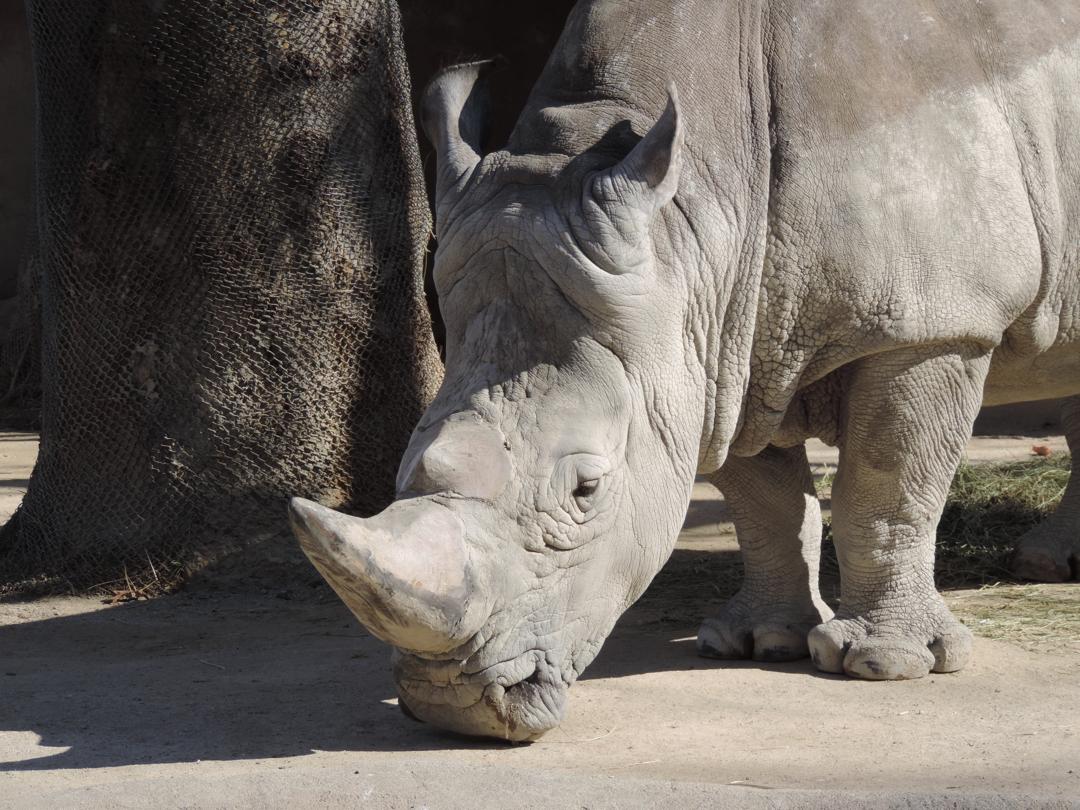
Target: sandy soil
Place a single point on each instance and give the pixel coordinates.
(237, 692)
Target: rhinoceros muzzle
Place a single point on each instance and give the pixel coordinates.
(517, 700)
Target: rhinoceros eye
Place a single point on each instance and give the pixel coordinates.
(578, 484)
(584, 492)
(588, 480)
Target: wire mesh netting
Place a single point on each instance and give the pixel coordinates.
(20, 351)
(230, 232)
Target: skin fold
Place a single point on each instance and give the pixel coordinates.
(719, 229)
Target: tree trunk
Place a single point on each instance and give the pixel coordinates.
(231, 226)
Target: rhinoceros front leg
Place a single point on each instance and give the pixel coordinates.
(778, 521)
(906, 418)
(1051, 551)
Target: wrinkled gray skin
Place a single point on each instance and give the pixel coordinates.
(853, 220)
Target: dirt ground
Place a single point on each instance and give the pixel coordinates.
(238, 692)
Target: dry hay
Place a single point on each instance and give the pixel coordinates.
(1040, 618)
(989, 507)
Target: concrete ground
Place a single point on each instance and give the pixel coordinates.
(271, 695)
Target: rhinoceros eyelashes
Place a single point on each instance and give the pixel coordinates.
(579, 482)
(584, 493)
(586, 489)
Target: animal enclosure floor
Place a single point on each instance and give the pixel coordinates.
(245, 694)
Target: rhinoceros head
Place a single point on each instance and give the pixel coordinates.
(545, 486)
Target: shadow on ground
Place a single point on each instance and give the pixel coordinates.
(259, 660)
(237, 672)
(197, 676)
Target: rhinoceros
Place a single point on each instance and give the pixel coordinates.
(719, 228)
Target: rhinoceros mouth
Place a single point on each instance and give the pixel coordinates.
(517, 700)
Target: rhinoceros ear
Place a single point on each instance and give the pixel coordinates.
(454, 113)
(630, 193)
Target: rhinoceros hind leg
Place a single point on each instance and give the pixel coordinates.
(778, 521)
(1051, 551)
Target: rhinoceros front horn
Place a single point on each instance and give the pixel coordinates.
(404, 573)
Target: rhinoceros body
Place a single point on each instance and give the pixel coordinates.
(718, 229)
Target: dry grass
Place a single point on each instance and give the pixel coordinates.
(989, 507)
(1041, 618)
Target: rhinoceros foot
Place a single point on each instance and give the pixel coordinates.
(1048, 553)
(760, 628)
(894, 645)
